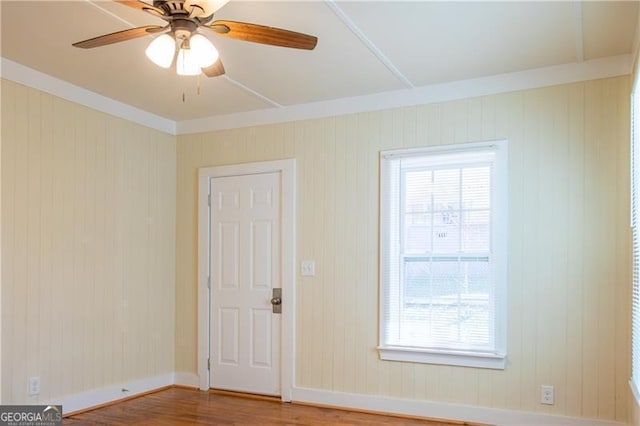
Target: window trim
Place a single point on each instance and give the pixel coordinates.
(443, 357)
(634, 216)
(480, 359)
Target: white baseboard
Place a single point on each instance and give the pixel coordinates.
(93, 398)
(428, 409)
(186, 379)
(438, 410)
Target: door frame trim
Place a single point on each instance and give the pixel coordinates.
(287, 170)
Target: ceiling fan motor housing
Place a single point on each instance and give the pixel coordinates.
(171, 7)
(184, 18)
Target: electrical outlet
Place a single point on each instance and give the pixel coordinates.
(546, 395)
(308, 268)
(34, 386)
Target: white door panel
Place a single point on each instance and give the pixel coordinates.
(228, 338)
(245, 267)
(228, 257)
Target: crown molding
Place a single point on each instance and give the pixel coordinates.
(612, 66)
(37, 80)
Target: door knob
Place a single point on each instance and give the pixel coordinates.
(276, 301)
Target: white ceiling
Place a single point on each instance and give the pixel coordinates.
(364, 47)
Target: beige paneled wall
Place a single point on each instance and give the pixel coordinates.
(569, 270)
(88, 248)
(269, 143)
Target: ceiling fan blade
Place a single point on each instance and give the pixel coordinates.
(265, 35)
(214, 70)
(157, 30)
(141, 5)
(117, 37)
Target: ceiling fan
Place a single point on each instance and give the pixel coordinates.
(195, 52)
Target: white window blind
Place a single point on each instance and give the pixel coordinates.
(635, 221)
(443, 255)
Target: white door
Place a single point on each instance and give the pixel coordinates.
(245, 267)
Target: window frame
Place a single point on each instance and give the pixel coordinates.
(634, 380)
(390, 222)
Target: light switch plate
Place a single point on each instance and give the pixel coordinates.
(308, 268)
(34, 386)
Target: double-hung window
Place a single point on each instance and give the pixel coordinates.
(443, 266)
(635, 226)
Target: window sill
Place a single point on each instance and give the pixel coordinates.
(443, 357)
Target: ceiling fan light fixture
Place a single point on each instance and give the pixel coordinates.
(161, 50)
(203, 51)
(187, 63)
(196, 54)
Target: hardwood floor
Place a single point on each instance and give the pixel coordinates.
(179, 406)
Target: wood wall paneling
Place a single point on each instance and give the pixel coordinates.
(568, 245)
(89, 249)
(99, 241)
